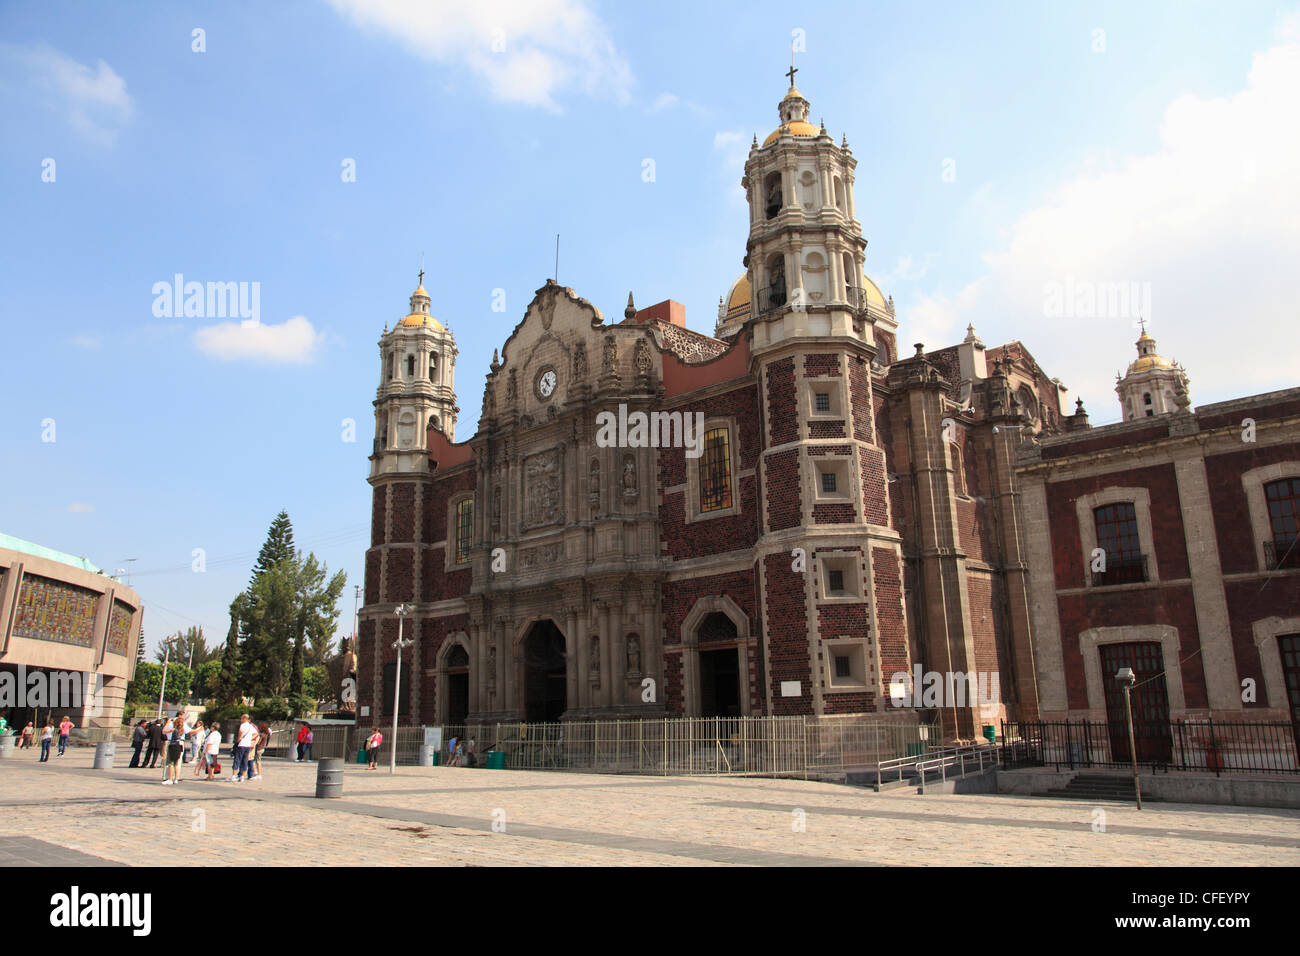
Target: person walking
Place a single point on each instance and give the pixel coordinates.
(138, 737)
(245, 741)
(301, 741)
(28, 731)
(155, 744)
(452, 753)
(195, 743)
(310, 736)
(175, 751)
(373, 743)
(47, 738)
(263, 738)
(65, 728)
(212, 750)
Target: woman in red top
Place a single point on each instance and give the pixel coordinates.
(65, 728)
(302, 740)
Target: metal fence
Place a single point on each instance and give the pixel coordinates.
(782, 746)
(1206, 745)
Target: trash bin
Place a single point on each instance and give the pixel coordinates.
(428, 755)
(361, 756)
(496, 760)
(6, 745)
(104, 753)
(990, 733)
(329, 778)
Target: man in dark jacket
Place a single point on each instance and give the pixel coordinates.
(137, 741)
(155, 745)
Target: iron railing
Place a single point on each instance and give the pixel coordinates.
(1206, 745)
(1121, 571)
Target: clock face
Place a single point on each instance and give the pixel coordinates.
(546, 383)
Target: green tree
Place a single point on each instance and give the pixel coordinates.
(188, 646)
(228, 683)
(143, 689)
(315, 682)
(207, 677)
(291, 605)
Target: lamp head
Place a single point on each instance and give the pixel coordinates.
(1126, 676)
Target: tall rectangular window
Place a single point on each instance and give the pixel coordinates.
(715, 471)
(1117, 536)
(1283, 498)
(464, 529)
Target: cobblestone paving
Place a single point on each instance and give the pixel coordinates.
(446, 816)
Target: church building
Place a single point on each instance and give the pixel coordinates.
(788, 516)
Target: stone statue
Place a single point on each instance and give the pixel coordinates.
(496, 508)
(580, 362)
(593, 482)
(595, 655)
(629, 475)
(642, 357)
(492, 668)
(777, 285)
(633, 655)
(611, 355)
(510, 386)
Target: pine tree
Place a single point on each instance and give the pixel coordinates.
(278, 547)
(228, 688)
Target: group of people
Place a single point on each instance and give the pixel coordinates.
(26, 740)
(179, 741)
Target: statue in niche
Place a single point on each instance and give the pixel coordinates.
(580, 362)
(496, 509)
(611, 354)
(510, 387)
(777, 285)
(492, 668)
(595, 656)
(633, 656)
(593, 482)
(547, 310)
(642, 357)
(629, 475)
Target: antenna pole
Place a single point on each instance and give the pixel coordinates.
(557, 258)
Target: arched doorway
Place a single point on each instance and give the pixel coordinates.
(719, 666)
(545, 673)
(1150, 701)
(457, 685)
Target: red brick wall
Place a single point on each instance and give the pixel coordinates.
(982, 593)
(1166, 521)
(874, 502)
(826, 429)
(891, 629)
(973, 529)
(372, 576)
(433, 632)
(1251, 600)
(834, 514)
(741, 404)
(787, 634)
(782, 419)
(680, 596)
(441, 489)
(401, 574)
(1232, 528)
(821, 364)
(781, 482)
(1106, 607)
(379, 502)
(860, 392)
(713, 535)
(403, 501)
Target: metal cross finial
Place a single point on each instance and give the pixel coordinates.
(792, 71)
(1142, 322)
(422, 268)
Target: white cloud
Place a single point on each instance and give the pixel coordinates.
(526, 51)
(293, 342)
(85, 341)
(80, 507)
(1210, 220)
(94, 98)
(663, 101)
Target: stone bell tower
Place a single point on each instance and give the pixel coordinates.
(831, 573)
(416, 389)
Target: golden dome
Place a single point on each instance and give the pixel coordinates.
(796, 128)
(739, 297)
(419, 320)
(1148, 362)
(419, 290)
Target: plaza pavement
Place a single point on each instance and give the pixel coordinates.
(65, 813)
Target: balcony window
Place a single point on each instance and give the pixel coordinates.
(1117, 537)
(1283, 501)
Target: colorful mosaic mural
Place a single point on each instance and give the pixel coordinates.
(53, 611)
(119, 628)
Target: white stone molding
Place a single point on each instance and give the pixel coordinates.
(1091, 640)
(1267, 631)
(1252, 483)
(691, 650)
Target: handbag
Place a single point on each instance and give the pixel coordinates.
(216, 766)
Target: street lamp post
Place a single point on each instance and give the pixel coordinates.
(401, 611)
(167, 653)
(1127, 678)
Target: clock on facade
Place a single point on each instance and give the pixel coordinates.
(546, 382)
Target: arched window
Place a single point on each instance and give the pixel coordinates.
(772, 194)
(410, 366)
(715, 471)
(433, 366)
(1283, 499)
(716, 627)
(464, 529)
(391, 360)
(839, 195)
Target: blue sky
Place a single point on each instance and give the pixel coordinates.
(1158, 151)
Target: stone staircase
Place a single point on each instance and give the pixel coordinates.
(1098, 786)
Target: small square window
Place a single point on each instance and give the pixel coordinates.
(823, 401)
(828, 482)
(843, 666)
(837, 582)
